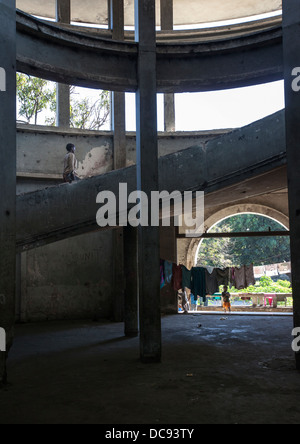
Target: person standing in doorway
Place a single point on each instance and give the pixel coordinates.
(226, 300)
(70, 162)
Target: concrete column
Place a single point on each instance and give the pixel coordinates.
(131, 276)
(63, 15)
(119, 129)
(116, 15)
(63, 105)
(24, 287)
(116, 24)
(166, 15)
(18, 297)
(116, 18)
(147, 181)
(63, 11)
(291, 50)
(167, 22)
(8, 175)
(169, 110)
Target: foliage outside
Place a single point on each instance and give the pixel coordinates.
(266, 285)
(34, 96)
(244, 251)
(37, 98)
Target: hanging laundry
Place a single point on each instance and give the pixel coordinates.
(249, 274)
(232, 277)
(212, 285)
(162, 274)
(223, 276)
(199, 282)
(186, 278)
(240, 278)
(177, 277)
(168, 272)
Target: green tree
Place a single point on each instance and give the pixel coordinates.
(88, 113)
(37, 95)
(216, 252)
(34, 96)
(244, 251)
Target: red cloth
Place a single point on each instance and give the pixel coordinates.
(177, 277)
(270, 298)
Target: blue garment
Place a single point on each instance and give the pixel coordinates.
(199, 282)
(162, 275)
(168, 272)
(193, 299)
(186, 277)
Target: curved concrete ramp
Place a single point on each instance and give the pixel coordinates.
(57, 53)
(254, 155)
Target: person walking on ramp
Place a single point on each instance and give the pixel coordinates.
(70, 162)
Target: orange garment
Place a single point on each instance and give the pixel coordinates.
(227, 305)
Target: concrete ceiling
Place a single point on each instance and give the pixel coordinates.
(186, 12)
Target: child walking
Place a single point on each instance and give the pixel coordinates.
(226, 300)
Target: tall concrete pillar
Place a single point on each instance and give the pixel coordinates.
(167, 23)
(8, 175)
(63, 15)
(116, 24)
(147, 181)
(291, 50)
(63, 106)
(63, 11)
(116, 17)
(131, 277)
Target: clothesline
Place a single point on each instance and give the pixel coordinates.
(205, 281)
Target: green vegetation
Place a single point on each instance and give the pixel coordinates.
(237, 252)
(34, 96)
(266, 285)
(37, 97)
(89, 113)
(244, 251)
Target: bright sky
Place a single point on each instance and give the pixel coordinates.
(209, 110)
(215, 110)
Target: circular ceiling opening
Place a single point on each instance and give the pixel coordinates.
(186, 12)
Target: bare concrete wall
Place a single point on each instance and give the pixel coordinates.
(41, 150)
(71, 279)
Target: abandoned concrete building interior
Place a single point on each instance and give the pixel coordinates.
(88, 334)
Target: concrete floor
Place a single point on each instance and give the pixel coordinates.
(237, 370)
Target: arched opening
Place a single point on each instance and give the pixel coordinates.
(245, 239)
(242, 251)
